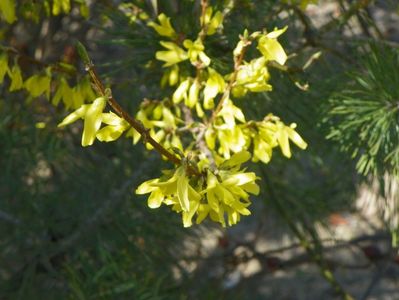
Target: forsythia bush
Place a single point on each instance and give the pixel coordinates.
(199, 127)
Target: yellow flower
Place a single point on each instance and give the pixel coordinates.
(174, 190)
(3, 66)
(212, 21)
(37, 85)
(215, 84)
(181, 91)
(271, 48)
(231, 139)
(173, 55)
(116, 126)
(154, 116)
(16, 78)
(61, 5)
(92, 115)
(286, 133)
(271, 133)
(7, 9)
(192, 98)
(252, 76)
(165, 28)
(227, 193)
(230, 113)
(63, 92)
(170, 76)
(196, 51)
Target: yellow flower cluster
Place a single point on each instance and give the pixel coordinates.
(263, 136)
(161, 121)
(40, 84)
(221, 196)
(253, 76)
(194, 50)
(212, 21)
(221, 137)
(270, 133)
(73, 97)
(8, 9)
(155, 116)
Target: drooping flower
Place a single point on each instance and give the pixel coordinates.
(92, 114)
(15, 75)
(116, 126)
(164, 28)
(270, 48)
(270, 133)
(173, 55)
(215, 84)
(219, 196)
(173, 189)
(37, 85)
(252, 76)
(3, 66)
(212, 21)
(196, 51)
(227, 194)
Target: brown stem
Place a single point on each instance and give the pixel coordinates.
(137, 125)
(204, 29)
(237, 63)
(200, 140)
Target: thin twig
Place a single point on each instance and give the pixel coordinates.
(137, 125)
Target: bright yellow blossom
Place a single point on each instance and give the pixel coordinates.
(212, 21)
(164, 28)
(92, 115)
(7, 10)
(116, 126)
(271, 133)
(271, 48)
(214, 85)
(173, 189)
(15, 75)
(227, 193)
(196, 52)
(3, 66)
(173, 55)
(37, 85)
(252, 76)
